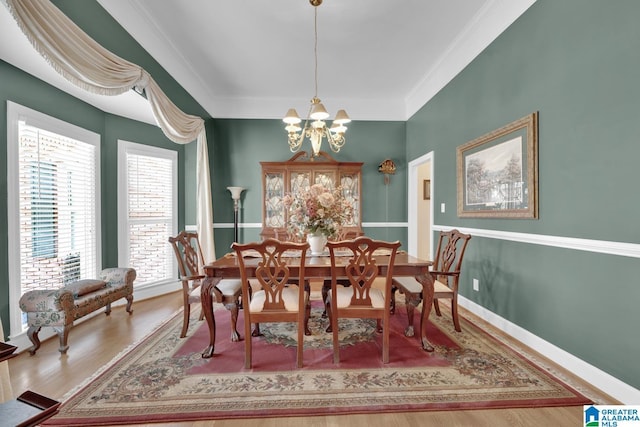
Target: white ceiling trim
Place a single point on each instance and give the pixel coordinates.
(495, 17)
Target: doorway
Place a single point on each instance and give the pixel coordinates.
(420, 206)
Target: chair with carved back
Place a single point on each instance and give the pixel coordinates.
(285, 235)
(446, 275)
(361, 299)
(186, 247)
(343, 234)
(276, 295)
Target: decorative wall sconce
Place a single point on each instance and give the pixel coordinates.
(236, 192)
(387, 167)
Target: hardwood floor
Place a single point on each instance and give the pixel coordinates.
(97, 341)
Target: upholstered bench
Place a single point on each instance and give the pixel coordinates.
(58, 308)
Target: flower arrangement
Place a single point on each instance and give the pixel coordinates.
(317, 210)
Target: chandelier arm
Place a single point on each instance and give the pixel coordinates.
(295, 142)
(335, 142)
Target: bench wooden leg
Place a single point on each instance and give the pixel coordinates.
(107, 310)
(130, 302)
(63, 335)
(32, 333)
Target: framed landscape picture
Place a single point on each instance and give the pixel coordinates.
(498, 172)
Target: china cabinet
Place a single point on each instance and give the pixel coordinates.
(300, 172)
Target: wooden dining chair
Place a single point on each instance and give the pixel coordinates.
(446, 275)
(343, 234)
(186, 247)
(276, 296)
(361, 299)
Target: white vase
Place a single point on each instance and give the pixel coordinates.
(317, 242)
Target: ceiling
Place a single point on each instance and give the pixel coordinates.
(379, 60)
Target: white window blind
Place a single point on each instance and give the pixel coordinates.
(53, 209)
(150, 216)
(57, 178)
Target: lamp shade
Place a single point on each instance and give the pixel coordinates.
(235, 192)
(341, 117)
(292, 117)
(318, 112)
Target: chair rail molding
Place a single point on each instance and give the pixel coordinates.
(259, 225)
(598, 246)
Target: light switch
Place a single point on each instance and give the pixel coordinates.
(442, 207)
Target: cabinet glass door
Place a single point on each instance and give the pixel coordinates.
(274, 192)
(300, 181)
(351, 190)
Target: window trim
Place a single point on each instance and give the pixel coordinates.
(16, 113)
(128, 147)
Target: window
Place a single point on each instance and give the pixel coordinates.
(147, 211)
(53, 204)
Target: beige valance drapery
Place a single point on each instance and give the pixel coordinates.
(85, 63)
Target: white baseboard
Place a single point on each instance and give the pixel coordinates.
(596, 377)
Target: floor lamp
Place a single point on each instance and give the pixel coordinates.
(235, 195)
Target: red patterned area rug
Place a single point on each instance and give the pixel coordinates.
(164, 378)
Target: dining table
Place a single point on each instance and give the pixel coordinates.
(315, 267)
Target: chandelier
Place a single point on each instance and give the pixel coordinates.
(315, 127)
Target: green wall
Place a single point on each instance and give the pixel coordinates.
(575, 62)
(240, 145)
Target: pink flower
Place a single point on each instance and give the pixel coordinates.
(318, 210)
(326, 199)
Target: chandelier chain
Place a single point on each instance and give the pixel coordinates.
(315, 46)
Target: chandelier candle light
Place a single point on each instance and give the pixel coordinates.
(315, 127)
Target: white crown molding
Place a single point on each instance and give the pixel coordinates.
(495, 17)
(371, 109)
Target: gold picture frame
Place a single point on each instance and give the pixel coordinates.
(498, 172)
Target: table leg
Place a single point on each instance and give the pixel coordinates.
(427, 301)
(206, 296)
